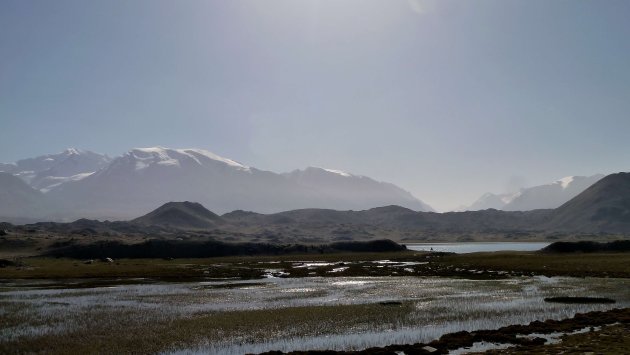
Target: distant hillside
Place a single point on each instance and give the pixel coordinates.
(546, 196)
(353, 192)
(18, 200)
(397, 218)
(183, 215)
(603, 207)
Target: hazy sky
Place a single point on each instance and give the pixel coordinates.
(447, 99)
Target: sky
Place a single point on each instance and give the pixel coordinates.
(447, 99)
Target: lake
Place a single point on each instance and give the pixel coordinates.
(461, 248)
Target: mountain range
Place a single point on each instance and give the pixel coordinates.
(86, 184)
(546, 196)
(82, 184)
(603, 208)
(49, 171)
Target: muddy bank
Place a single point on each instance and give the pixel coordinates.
(505, 335)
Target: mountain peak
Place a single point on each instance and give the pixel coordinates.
(72, 151)
(142, 178)
(168, 156)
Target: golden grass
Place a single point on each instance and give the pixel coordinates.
(595, 264)
(574, 264)
(105, 333)
(221, 267)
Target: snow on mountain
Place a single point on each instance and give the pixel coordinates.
(551, 195)
(146, 157)
(355, 191)
(565, 182)
(143, 178)
(48, 171)
(338, 172)
(48, 183)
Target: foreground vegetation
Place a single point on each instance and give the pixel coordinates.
(99, 331)
(606, 336)
(51, 304)
(476, 265)
(236, 317)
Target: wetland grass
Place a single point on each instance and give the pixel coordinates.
(278, 314)
(64, 305)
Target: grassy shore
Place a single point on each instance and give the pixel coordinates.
(123, 330)
(107, 335)
(578, 264)
(479, 265)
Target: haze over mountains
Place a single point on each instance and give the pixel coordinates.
(603, 209)
(18, 200)
(307, 203)
(81, 184)
(546, 196)
(85, 184)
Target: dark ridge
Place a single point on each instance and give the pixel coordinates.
(205, 249)
(603, 207)
(5, 263)
(588, 247)
(184, 215)
(98, 227)
(372, 246)
(239, 214)
(581, 300)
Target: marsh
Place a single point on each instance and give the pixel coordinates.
(240, 316)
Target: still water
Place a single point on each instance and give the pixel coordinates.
(478, 247)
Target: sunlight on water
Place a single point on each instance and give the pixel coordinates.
(438, 306)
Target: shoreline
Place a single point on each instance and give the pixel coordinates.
(513, 335)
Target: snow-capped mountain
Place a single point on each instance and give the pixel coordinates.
(49, 171)
(355, 191)
(551, 195)
(136, 182)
